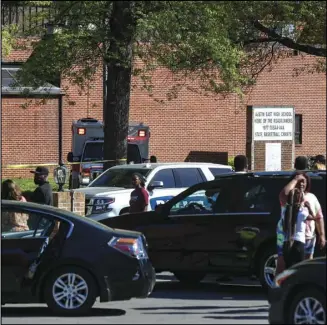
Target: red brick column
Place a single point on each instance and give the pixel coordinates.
(70, 201)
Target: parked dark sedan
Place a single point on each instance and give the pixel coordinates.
(67, 261)
(225, 226)
(299, 296)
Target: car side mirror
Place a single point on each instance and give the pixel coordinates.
(70, 157)
(155, 184)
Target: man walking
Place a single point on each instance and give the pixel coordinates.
(43, 193)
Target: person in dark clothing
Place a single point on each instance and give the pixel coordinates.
(319, 163)
(241, 164)
(139, 197)
(301, 163)
(320, 159)
(43, 193)
(153, 159)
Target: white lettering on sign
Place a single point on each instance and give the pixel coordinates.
(273, 123)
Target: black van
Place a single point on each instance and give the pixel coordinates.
(225, 226)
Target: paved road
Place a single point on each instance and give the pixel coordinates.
(237, 302)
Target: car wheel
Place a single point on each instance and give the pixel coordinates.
(308, 307)
(70, 291)
(189, 277)
(268, 264)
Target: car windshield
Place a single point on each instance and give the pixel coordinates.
(94, 151)
(118, 177)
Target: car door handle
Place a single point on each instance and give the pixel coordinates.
(254, 229)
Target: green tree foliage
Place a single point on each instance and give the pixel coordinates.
(223, 45)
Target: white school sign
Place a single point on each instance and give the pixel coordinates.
(273, 123)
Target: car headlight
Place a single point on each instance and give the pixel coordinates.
(100, 205)
(280, 278)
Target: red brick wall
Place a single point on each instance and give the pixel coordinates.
(306, 93)
(28, 135)
(181, 127)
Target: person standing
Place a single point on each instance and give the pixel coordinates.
(301, 163)
(320, 163)
(43, 193)
(241, 164)
(295, 229)
(139, 197)
(13, 221)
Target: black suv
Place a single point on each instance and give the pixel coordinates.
(225, 226)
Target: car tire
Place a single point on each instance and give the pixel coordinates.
(70, 291)
(309, 296)
(267, 268)
(189, 278)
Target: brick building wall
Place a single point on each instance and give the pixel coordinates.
(28, 135)
(183, 129)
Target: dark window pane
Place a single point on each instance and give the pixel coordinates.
(19, 224)
(118, 177)
(256, 199)
(188, 176)
(94, 151)
(218, 171)
(166, 176)
(298, 129)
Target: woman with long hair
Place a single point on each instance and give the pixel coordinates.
(13, 221)
(300, 215)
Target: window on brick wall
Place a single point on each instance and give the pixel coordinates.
(298, 128)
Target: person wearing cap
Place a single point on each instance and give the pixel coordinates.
(139, 197)
(43, 193)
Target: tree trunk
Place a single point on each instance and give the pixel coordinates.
(118, 63)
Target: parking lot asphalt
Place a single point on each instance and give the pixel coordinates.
(240, 301)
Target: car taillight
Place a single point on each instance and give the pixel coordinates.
(130, 246)
(86, 172)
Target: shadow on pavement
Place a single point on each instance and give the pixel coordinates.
(253, 317)
(248, 309)
(207, 291)
(45, 312)
(244, 311)
(233, 312)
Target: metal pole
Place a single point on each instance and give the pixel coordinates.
(60, 129)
